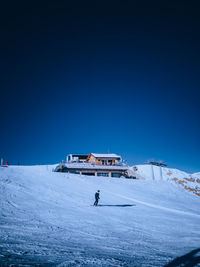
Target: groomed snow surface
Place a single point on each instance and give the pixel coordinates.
(48, 219)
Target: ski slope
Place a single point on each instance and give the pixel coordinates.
(47, 219)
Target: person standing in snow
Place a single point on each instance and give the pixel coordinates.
(97, 198)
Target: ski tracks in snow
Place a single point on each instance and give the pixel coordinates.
(157, 206)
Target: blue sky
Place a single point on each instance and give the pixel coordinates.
(98, 77)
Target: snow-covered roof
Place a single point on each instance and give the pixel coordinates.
(107, 155)
(94, 166)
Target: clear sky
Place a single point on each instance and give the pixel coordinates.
(95, 76)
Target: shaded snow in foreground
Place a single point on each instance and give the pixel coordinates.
(48, 218)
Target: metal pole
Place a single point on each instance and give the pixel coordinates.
(161, 176)
(153, 176)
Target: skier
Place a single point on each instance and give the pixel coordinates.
(97, 198)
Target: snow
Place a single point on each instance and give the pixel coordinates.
(197, 174)
(47, 218)
(190, 182)
(107, 155)
(82, 165)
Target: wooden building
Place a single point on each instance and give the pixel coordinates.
(103, 159)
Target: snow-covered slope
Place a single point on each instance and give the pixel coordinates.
(197, 175)
(48, 219)
(190, 182)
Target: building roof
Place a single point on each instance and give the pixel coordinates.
(107, 155)
(94, 166)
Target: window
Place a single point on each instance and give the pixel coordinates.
(88, 173)
(102, 174)
(110, 162)
(116, 174)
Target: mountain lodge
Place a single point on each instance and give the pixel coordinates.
(94, 164)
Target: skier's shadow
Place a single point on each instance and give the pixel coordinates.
(120, 205)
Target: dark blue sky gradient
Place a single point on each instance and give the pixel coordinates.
(121, 77)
